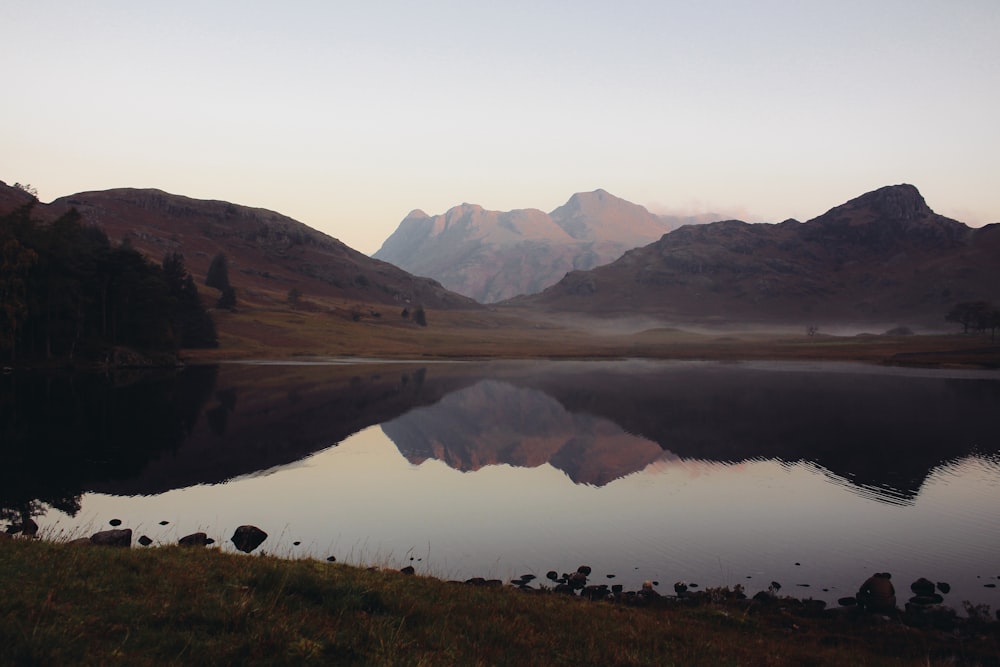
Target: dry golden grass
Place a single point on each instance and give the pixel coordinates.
(357, 330)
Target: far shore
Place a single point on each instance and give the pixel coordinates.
(503, 333)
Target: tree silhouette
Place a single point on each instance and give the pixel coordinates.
(15, 262)
(972, 314)
(419, 316)
(218, 277)
(218, 273)
(65, 292)
(192, 324)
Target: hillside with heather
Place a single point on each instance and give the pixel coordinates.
(268, 254)
(884, 258)
(494, 255)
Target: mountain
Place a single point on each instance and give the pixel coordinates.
(268, 254)
(493, 255)
(884, 257)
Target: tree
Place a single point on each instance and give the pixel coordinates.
(227, 299)
(218, 273)
(15, 263)
(192, 325)
(993, 323)
(971, 314)
(28, 188)
(218, 277)
(419, 316)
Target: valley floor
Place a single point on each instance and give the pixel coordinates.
(261, 333)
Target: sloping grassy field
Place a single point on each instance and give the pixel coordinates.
(68, 604)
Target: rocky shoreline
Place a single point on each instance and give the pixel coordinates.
(925, 609)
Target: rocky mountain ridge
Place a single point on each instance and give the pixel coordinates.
(494, 255)
(883, 257)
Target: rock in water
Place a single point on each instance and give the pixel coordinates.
(145, 541)
(118, 537)
(248, 538)
(922, 586)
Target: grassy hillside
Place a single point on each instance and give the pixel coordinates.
(68, 604)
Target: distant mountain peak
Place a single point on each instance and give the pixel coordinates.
(493, 255)
(416, 214)
(882, 258)
(892, 202)
(595, 197)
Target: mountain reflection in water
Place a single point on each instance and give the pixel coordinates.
(724, 473)
(883, 431)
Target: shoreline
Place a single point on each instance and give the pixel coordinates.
(95, 605)
(927, 599)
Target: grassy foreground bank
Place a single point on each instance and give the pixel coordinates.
(68, 604)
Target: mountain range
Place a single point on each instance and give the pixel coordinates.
(883, 257)
(268, 254)
(494, 255)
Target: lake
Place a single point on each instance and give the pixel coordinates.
(812, 475)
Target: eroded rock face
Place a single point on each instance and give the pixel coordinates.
(494, 255)
(248, 538)
(118, 537)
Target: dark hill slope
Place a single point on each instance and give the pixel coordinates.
(268, 253)
(884, 257)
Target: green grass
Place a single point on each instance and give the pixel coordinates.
(65, 604)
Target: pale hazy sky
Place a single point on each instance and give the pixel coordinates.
(347, 115)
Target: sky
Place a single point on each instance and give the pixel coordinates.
(347, 115)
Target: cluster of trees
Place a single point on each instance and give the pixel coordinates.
(67, 292)
(975, 316)
(218, 277)
(419, 316)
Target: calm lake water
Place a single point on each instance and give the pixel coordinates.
(814, 475)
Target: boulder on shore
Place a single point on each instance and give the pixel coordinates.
(117, 537)
(248, 538)
(194, 540)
